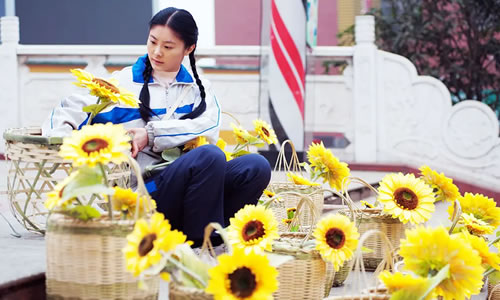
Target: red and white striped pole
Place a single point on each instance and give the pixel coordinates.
(287, 69)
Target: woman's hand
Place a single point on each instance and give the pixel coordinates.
(139, 139)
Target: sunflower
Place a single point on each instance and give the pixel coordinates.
(398, 281)
(195, 143)
(268, 193)
(480, 207)
(336, 239)
(297, 179)
(242, 276)
(147, 240)
(242, 136)
(406, 197)
(475, 226)
(327, 166)
(106, 90)
(442, 185)
(222, 145)
(99, 143)
(479, 244)
(125, 200)
(265, 132)
(426, 251)
(54, 198)
(253, 228)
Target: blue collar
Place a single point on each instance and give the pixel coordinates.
(139, 66)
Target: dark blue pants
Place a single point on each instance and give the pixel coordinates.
(201, 187)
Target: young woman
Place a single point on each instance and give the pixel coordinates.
(200, 186)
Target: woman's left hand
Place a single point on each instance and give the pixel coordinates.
(139, 140)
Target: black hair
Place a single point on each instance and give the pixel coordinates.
(181, 22)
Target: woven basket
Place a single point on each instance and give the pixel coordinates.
(373, 218)
(304, 277)
(35, 167)
(85, 260)
(280, 185)
(342, 274)
(359, 271)
(493, 290)
(178, 292)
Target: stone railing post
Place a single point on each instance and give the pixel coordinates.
(365, 91)
(9, 95)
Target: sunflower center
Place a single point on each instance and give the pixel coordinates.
(253, 230)
(243, 282)
(103, 83)
(406, 198)
(94, 145)
(335, 238)
(266, 132)
(146, 244)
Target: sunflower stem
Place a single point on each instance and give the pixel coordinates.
(494, 241)
(489, 271)
(110, 210)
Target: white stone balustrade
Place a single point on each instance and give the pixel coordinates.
(388, 112)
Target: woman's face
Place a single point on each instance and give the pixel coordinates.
(165, 49)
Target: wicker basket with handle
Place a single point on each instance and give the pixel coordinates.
(35, 167)
(279, 184)
(374, 218)
(85, 259)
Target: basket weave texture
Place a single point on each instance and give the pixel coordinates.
(35, 167)
(373, 218)
(178, 292)
(493, 291)
(304, 277)
(85, 261)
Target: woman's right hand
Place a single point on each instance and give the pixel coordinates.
(139, 139)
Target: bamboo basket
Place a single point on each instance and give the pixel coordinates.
(35, 167)
(280, 185)
(179, 292)
(85, 260)
(342, 274)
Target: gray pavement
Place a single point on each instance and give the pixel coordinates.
(25, 256)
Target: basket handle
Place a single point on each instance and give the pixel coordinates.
(207, 243)
(493, 290)
(281, 162)
(142, 192)
(359, 267)
(345, 183)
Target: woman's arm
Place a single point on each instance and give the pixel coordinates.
(68, 116)
(166, 134)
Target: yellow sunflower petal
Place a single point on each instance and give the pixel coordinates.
(242, 275)
(265, 131)
(446, 190)
(327, 165)
(99, 143)
(336, 239)
(426, 251)
(253, 228)
(297, 179)
(406, 197)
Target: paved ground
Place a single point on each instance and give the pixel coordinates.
(25, 256)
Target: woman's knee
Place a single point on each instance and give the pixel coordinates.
(261, 168)
(210, 155)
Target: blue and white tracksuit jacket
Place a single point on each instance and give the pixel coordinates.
(163, 134)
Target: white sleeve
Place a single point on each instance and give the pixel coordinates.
(170, 133)
(68, 116)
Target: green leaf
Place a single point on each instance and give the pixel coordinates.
(96, 108)
(84, 212)
(366, 250)
(171, 154)
(443, 274)
(192, 262)
(86, 181)
(494, 277)
(240, 153)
